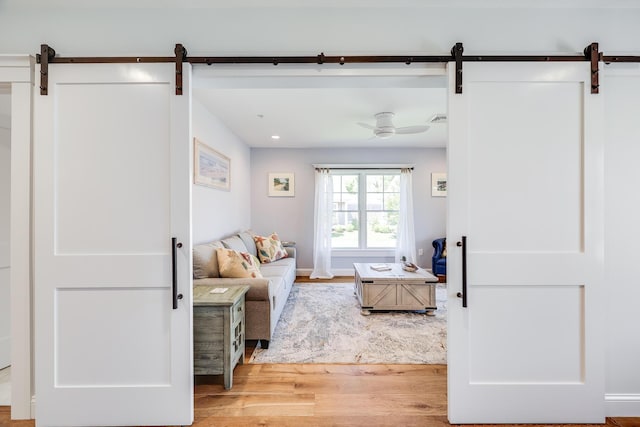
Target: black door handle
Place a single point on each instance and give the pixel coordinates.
(463, 294)
(174, 272)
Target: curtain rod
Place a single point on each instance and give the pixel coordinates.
(362, 166)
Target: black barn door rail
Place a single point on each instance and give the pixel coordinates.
(48, 56)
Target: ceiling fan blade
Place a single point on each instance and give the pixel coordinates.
(412, 129)
(365, 125)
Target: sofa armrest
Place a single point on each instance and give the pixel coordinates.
(258, 291)
(291, 251)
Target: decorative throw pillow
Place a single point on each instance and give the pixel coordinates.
(255, 260)
(237, 264)
(269, 248)
(444, 249)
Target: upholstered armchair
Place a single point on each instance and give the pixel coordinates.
(439, 259)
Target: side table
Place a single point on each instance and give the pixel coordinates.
(218, 330)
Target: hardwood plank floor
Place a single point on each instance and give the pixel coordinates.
(294, 395)
(333, 395)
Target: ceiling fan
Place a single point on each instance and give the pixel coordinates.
(384, 127)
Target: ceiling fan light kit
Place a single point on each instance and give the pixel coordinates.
(385, 128)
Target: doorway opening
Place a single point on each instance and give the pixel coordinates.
(316, 111)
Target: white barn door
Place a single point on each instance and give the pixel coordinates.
(112, 187)
(526, 189)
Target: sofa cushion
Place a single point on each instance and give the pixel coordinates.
(269, 248)
(247, 239)
(274, 270)
(237, 264)
(205, 260)
(235, 243)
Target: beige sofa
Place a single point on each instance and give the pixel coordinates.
(266, 297)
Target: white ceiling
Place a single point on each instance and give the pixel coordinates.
(309, 106)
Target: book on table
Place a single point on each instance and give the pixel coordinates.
(380, 267)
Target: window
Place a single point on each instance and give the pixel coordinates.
(369, 197)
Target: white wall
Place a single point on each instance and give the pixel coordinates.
(218, 213)
(292, 217)
(351, 26)
(5, 192)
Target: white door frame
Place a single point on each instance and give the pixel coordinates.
(17, 70)
(621, 398)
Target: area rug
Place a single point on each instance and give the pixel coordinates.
(321, 323)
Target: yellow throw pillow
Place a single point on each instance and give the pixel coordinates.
(269, 248)
(237, 264)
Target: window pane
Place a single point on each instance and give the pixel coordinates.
(392, 183)
(381, 209)
(349, 184)
(381, 230)
(391, 201)
(344, 233)
(350, 201)
(374, 183)
(374, 201)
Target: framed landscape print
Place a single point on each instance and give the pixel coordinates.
(438, 185)
(281, 184)
(210, 167)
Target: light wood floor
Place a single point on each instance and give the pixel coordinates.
(296, 395)
(325, 395)
(292, 395)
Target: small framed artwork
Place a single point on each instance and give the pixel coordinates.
(210, 168)
(281, 184)
(438, 184)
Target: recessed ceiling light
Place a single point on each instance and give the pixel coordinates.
(275, 136)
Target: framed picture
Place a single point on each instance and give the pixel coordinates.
(210, 168)
(281, 184)
(438, 184)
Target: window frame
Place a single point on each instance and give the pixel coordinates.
(363, 249)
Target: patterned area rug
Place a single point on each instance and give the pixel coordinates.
(321, 323)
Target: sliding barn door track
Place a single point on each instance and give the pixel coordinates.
(591, 54)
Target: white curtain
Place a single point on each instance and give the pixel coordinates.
(406, 241)
(323, 219)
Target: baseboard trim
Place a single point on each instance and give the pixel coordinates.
(306, 272)
(622, 405)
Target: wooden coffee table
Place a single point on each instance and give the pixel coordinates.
(395, 289)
